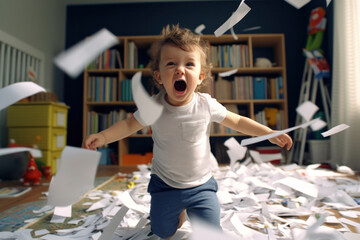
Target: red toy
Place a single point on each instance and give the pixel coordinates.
(32, 173)
(47, 172)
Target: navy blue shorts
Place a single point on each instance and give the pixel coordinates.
(167, 203)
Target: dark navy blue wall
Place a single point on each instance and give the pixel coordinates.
(274, 16)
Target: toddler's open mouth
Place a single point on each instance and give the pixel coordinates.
(180, 86)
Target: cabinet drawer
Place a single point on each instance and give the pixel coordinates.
(53, 139)
(37, 115)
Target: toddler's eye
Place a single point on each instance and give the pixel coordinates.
(170, 64)
(191, 64)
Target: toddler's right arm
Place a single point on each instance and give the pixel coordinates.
(114, 133)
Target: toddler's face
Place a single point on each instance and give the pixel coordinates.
(180, 73)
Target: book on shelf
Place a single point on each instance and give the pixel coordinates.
(109, 59)
(102, 89)
(99, 121)
(268, 88)
(234, 55)
(9, 192)
(126, 92)
(132, 55)
(223, 89)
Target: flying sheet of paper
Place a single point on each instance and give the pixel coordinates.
(149, 109)
(239, 14)
(318, 125)
(35, 152)
(236, 151)
(233, 33)
(251, 29)
(115, 221)
(199, 29)
(249, 141)
(298, 3)
(228, 73)
(334, 130)
(17, 91)
(75, 177)
(75, 59)
(307, 110)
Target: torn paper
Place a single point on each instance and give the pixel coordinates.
(75, 59)
(297, 3)
(239, 14)
(75, 176)
(334, 130)
(307, 110)
(34, 152)
(199, 29)
(17, 91)
(228, 73)
(149, 109)
(249, 141)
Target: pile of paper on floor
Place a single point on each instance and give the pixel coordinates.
(258, 201)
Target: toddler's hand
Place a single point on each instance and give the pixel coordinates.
(282, 141)
(94, 141)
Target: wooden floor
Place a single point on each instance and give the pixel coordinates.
(36, 192)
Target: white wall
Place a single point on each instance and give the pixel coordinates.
(41, 24)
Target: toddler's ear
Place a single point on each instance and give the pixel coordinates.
(157, 76)
(201, 78)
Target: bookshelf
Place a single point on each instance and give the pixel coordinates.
(104, 89)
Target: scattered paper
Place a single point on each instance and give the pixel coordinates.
(34, 152)
(249, 141)
(115, 221)
(307, 110)
(228, 73)
(345, 170)
(17, 91)
(75, 176)
(41, 232)
(75, 59)
(334, 130)
(199, 29)
(298, 3)
(149, 109)
(236, 151)
(63, 211)
(239, 14)
(299, 185)
(202, 231)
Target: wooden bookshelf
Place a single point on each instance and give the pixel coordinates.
(271, 46)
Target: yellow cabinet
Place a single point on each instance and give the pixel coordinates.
(40, 123)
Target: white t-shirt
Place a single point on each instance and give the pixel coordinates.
(181, 140)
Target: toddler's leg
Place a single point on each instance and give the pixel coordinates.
(204, 204)
(166, 208)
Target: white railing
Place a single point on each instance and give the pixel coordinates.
(19, 62)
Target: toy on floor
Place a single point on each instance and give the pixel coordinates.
(47, 172)
(32, 173)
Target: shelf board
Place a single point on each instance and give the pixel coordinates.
(211, 135)
(251, 101)
(114, 103)
(250, 70)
